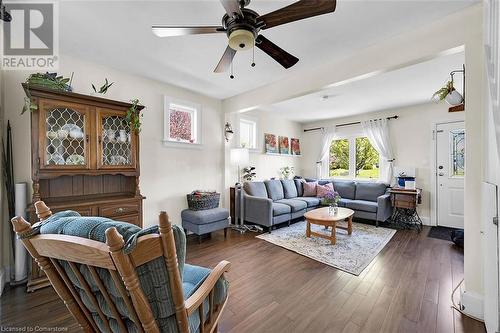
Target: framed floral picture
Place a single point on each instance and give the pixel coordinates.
(284, 145)
(295, 146)
(271, 143)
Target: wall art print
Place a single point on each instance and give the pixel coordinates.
(271, 143)
(284, 145)
(295, 146)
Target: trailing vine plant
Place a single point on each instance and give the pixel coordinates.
(134, 115)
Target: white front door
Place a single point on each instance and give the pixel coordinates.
(450, 172)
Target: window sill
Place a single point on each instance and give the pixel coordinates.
(366, 180)
(182, 145)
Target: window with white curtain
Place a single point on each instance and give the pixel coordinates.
(248, 133)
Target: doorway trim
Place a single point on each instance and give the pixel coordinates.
(433, 188)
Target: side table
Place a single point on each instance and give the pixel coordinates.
(404, 203)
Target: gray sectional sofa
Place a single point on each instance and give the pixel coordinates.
(272, 202)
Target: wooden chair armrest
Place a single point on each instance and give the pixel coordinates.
(194, 301)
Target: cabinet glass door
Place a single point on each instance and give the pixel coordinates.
(117, 141)
(65, 139)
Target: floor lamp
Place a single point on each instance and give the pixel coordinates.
(239, 157)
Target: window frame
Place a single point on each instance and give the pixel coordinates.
(254, 123)
(253, 139)
(184, 106)
(351, 139)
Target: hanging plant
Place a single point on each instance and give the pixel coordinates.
(449, 94)
(444, 91)
(134, 116)
(104, 88)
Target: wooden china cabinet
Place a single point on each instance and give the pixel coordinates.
(85, 157)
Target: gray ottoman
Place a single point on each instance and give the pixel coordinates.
(203, 222)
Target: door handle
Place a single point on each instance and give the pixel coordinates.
(441, 174)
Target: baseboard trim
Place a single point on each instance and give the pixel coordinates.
(472, 303)
(426, 221)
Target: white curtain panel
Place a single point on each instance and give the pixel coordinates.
(328, 134)
(377, 132)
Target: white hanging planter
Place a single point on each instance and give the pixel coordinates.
(454, 98)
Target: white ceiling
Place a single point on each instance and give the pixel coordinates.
(118, 34)
(407, 86)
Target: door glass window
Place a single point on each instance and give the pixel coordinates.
(65, 137)
(116, 141)
(457, 153)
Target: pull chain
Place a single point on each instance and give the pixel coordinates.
(231, 76)
(253, 55)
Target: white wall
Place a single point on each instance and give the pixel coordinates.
(475, 110)
(411, 138)
(167, 174)
(267, 166)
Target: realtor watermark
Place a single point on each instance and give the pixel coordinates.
(31, 40)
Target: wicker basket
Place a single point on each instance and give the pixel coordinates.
(203, 200)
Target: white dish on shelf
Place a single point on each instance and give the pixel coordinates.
(56, 158)
(75, 159)
(76, 134)
(51, 135)
(118, 160)
(71, 127)
(62, 134)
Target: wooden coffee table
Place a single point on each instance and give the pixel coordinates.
(320, 216)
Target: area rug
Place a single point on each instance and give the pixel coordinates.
(351, 254)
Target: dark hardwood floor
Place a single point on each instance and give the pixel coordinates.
(406, 288)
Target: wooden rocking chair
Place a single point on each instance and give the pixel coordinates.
(103, 286)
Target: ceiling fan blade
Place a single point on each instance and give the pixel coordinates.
(169, 31)
(232, 7)
(225, 61)
(297, 11)
(274, 51)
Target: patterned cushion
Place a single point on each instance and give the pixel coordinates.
(289, 188)
(322, 190)
(274, 189)
(153, 276)
(309, 189)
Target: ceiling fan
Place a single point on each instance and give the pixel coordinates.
(242, 27)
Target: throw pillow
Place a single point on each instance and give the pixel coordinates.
(309, 189)
(322, 190)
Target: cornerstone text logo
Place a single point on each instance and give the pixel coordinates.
(30, 40)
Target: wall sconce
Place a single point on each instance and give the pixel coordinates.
(228, 132)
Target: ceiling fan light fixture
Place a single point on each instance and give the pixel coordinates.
(240, 40)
